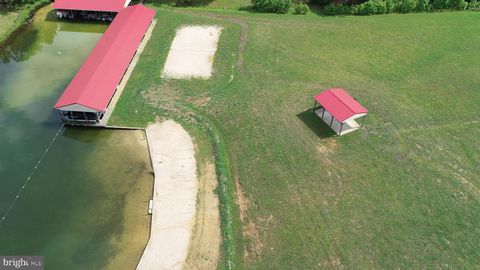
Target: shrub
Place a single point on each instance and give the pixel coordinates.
(337, 9)
(301, 8)
(423, 5)
(321, 2)
(439, 4)
(406, 6)
(274, 6)
(372, 7)
(391, 6)
(474, 4)
(457, 4)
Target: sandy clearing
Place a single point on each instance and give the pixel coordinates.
(192, 52)
(204, 250)
(175, 193)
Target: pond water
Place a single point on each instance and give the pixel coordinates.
(85, 204)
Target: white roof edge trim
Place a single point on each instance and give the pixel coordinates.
(355, 116)
(77, 108)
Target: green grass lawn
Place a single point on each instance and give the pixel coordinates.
(208, 4)
(7, 20)
(10, 20)
(404, 192)
(229, 4)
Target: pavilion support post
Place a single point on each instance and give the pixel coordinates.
(331, 121)
(363, 121)
(314, 106)
(341, 127)
(323, 112)
(85, 116)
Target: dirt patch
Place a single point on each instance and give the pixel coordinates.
(205, 244)
(332, 263)
(165, 93)
(242, 201)
(199, 101)
(327, 146)
(192, 52)
(164, 97)
(253, 246)
(242, 44)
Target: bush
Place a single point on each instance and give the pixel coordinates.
(423, 5)
(321, 2)
(439, 4)
(274, 6)
(391, 6)
(457, 4)
(407, 6)
(301, 8)
(371, 7)
(474, 4)
(449, 4)
(337, 9)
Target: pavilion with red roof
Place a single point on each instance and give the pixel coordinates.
(87, 97)
(339, 110)
(89, 9)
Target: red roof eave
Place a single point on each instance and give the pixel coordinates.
(61, 106)
(97, 79)
(91, 5)
(340, 104)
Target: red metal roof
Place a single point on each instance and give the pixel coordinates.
(340, 104)
(96, 81)
(91, 5)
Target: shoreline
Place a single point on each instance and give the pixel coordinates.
(24, 21)
(175, 192)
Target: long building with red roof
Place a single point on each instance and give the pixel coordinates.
(102, 10)
(91, 5)
(88, 95)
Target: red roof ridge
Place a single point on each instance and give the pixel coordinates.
(341, 89)
(340, 103)
(108, 51)
(98, 77)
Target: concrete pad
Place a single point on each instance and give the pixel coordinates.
(348, 126)
(192, 52)
(174, 198)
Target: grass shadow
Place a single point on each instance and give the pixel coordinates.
(318, 10)
(250, 9)
(315, 124)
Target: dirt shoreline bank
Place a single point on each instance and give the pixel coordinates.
(22, 25)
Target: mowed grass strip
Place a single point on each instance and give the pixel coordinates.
(402, 193)
(10, 20)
